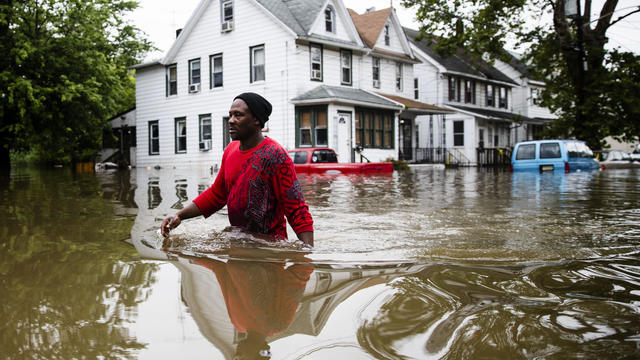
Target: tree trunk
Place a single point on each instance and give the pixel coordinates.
(5, 160)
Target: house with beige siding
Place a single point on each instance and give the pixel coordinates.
(329, 85)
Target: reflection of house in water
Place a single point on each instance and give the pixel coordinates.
(207, 293)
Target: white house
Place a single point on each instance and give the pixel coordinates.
(306, 57)
(481, 96)
(526, 100)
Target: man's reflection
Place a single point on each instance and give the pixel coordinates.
(261, 299)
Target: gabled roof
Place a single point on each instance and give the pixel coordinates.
(336, 94)
(370, 24)
(298, 15)
(461, 62)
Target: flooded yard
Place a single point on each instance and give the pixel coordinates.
(423, 264)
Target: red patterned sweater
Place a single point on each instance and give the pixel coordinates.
(259, 187)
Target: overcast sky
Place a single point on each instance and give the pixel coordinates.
(160, 18)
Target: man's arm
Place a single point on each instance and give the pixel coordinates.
(306, 237)
(171, 222)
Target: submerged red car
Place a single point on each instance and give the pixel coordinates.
(325, 161)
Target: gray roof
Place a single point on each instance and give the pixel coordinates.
(325, 93)
(494, 114)
(461, 62)
(298, 15)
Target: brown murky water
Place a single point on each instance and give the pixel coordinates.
(427, 264)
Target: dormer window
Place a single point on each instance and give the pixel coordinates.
(387, 40)
(330, 19)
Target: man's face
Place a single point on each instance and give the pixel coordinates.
(242, 123)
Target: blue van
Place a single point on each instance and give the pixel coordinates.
(553, 155)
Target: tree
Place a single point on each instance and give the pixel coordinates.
(63, 73)
(594, 90)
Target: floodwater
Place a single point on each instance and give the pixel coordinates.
(424, 264)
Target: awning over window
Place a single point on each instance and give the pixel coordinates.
(499, 115)
(417, 107)
(342, 95)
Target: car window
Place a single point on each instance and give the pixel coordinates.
(578, 150)
(526, 152)
(549, 150)
(299, 157)
(324, 156)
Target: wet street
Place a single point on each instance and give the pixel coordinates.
(424, 264)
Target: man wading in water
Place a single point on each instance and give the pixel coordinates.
(257, 180)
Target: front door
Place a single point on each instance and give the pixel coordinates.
(407, 148)
(343, 146)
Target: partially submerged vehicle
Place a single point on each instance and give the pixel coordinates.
(553, 155)
(325, 161)
(617, 159)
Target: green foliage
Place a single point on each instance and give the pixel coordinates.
(64, 73)
(594, 91)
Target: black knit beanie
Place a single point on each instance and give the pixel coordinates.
(259, 106)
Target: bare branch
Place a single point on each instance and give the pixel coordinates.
(624, 16)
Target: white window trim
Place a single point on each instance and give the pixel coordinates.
(212, 74)
(373, 72)
(252, 51)
(154, 123)
(399, 76)
(191, 62)
(201, 119)
(223, 5)
(332, 18)
(168, 79)
(311, 62)
(346, 53)
(178, 136)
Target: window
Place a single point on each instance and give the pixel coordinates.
(444, 132)
(215, 64)
(502, 97)
(324, 156)
(257, 63)
(226, 11)
(535, 96)
(454, 88)
(194, 71)
(526, 152)
(375, 63)
(374, 128)
(181, 135)
(416, 92)
(387, 40)
(315, 53)
(329, 19)
(225, 132)
(300, 157)
(458, 133)
(154, 138)
(345, 61)
(312, 129)
(399, 76)
(321, 128)
(491, 96)
(549, 150)
(172, 79)
(205, 127)
(470, 91)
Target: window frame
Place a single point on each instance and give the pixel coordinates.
(490, 101)
(416, 89)
(503, 101)
(368, 133)
(320, 62)
(191, 71)
(469, 91)
(387, 38)
(178, 137)
(201, 119)
(349, 55)
(168, 80)
(399, 76)
(226, 139)
(156, 124)
(458, 136)
(375, 71)
(252, 64)
(330, 20)
(223, 17)
(313, 128)
(212, 73)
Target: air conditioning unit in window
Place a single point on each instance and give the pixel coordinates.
(226, 26)
(205, 145)
(376, 83)
(316, 74)
(194, 88)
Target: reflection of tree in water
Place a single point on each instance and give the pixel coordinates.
(70, 284)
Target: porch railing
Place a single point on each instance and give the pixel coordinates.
(493, 156)
(440, 155)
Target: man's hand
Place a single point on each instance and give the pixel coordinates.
(168, 224)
